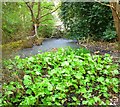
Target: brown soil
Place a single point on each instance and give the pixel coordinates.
(103, 48)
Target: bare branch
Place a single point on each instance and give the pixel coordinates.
(44, 25)
(48, 7)
(50, 12)
(32, 4)
(39, 10)
(111, 6)
(45, 20)
(104, 4)
(31, 10)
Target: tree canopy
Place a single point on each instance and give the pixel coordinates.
(18, 23)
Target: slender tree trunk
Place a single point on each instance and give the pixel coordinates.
(118, 9)
(36, 20)
(35, 30)
(116, 16)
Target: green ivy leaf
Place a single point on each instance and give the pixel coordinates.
(83, 90)
(65, 63)
(74, 98)
(115, 72)
(17, 57)
(115, 89)
(50, 87)
(27, 80)
(105, 94)
(84, 102)
(31, 59)
(96, 99)
(29, 91)
(79, 75)
(29, 100)
(100, 79)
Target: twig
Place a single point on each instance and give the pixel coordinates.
(45, 20)
(49, 12)
(111, 6)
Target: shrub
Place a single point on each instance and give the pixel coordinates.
(64, 77)
(83, 19)
(109, 35)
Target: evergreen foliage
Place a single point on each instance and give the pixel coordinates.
(83, 19)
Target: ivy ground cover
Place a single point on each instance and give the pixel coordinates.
(65, 77)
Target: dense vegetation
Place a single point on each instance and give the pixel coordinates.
(66, 77)
(17, 22)
(80, 19)
(83, 19)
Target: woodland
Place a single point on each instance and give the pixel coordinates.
(87, 74)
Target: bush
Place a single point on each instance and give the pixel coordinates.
(83, 19)
(109, 34)
(65, 77)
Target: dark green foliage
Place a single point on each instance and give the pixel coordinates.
(109, 33)
(65, 77)
(83, 19)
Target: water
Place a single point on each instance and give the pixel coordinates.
(47, 45)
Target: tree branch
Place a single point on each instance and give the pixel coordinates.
(49, 12)
(47, 7)
(45, 20)
(39, 10)
(32, 4)
(111, 6)
(104, 4)
(31, 10)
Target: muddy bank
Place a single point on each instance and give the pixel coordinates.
(9, 50)
(103, 48)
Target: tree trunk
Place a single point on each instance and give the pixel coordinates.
(34, 30)
(118, 9)
(116, 16)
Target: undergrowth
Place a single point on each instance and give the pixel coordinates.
(66, 77)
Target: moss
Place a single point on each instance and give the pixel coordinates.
(28, 43)
(21, 44)
(7, 49)
(12, 45)
(38, 41)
